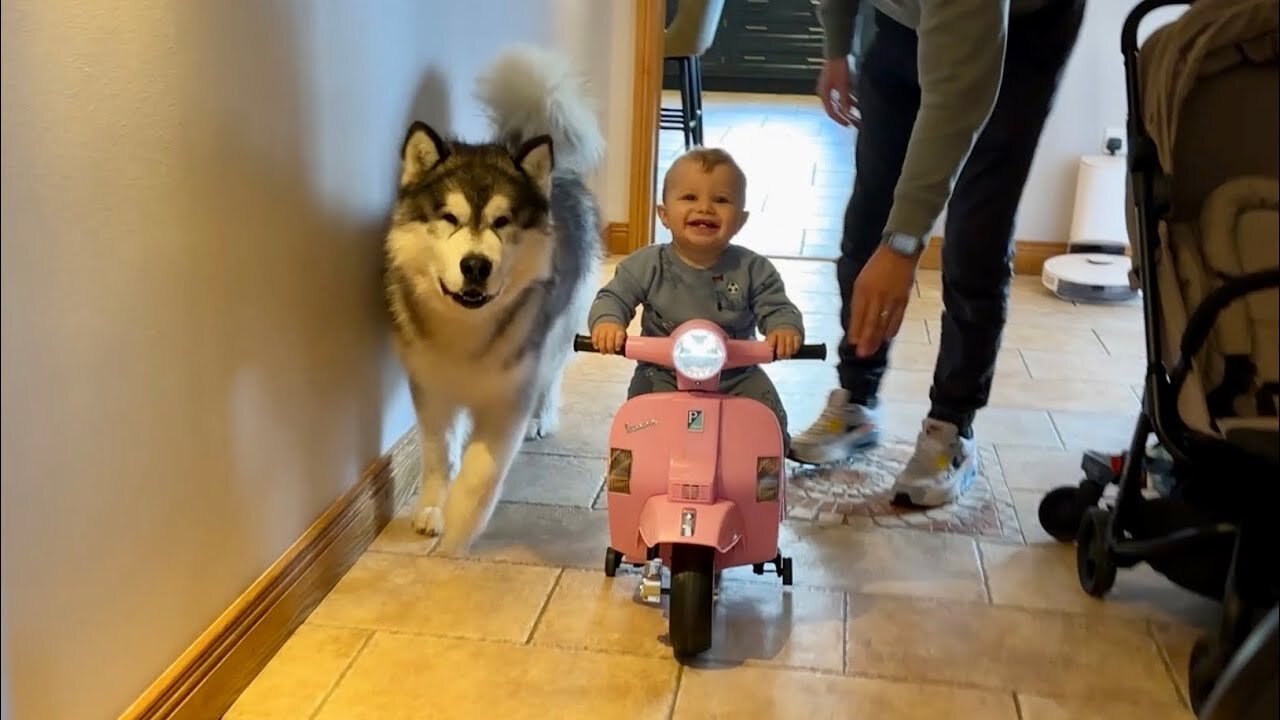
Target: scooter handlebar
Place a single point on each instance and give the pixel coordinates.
(816, 351)
(582, 343)
(810, 352)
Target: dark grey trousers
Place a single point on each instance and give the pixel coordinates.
(978, 252)
(749, 382)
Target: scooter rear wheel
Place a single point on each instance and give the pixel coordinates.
(691, 599)
(612, 561)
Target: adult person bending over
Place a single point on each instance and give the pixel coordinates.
(953, 95)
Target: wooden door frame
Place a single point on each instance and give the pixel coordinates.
(646, 101)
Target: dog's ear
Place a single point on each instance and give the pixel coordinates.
(537, 160)
(423, 149)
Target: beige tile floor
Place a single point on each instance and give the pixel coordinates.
(884, 624)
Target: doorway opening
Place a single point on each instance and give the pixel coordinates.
(757, 80)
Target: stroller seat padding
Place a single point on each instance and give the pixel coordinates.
(1232, 388)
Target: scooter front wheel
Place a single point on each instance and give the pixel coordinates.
(691, 599)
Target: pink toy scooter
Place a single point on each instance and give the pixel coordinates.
(695, 478)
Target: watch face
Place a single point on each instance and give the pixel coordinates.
(905, 244)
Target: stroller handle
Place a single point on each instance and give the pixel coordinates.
(1129, 32)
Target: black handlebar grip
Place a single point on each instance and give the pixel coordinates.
(582, 343)
(811, 352)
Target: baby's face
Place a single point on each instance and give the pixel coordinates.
(702, 209)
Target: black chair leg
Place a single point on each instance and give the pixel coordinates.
(698, 135)
(686, 100)
(670, 118)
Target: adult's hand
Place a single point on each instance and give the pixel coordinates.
(880, 297)
(835, 89)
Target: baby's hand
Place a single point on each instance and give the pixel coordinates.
(785, 342)
(608, 337)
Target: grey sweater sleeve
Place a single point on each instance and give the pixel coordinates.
(618, 299)
(836, 18)
(961, 62)
(769, 301)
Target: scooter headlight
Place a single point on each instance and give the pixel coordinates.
(698, 354)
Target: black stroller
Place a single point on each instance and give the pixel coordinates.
(1204, 118)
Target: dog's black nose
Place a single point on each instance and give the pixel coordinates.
(476, 268)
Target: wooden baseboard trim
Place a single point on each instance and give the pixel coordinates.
(1028, 257)
(206, 680)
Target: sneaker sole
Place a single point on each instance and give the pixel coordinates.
(836, 453)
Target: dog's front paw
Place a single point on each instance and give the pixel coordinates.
(428, 520)
(543, 426)
(452, 544)
(535, 431)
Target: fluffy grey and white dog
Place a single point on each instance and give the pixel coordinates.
(493, 257)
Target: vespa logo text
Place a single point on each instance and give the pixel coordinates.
(629, 427)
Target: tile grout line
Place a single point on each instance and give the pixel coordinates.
(324, 699)
(1167, 662)
(1026, 366)
(1057, 431)
(595, 497)
(781, 668)
(844, 645)
(1101, 342)
(675, 694)
(546, 603)
(562, 453)
(986, 576)
(827, 589)
(1004, 475)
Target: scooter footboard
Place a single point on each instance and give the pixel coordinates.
(719, 525)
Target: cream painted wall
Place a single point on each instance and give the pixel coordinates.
(194, 353)
(1090, 100)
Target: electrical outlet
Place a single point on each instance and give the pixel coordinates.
(1115, 133)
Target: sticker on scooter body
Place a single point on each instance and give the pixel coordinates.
(688, 521)
(695, 421)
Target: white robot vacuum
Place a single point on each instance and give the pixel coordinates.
(1095, 268)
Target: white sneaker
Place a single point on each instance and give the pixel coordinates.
(840, 432)
(942, 468)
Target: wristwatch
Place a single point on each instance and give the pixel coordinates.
(902, 243)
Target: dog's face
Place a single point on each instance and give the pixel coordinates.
(471, 222)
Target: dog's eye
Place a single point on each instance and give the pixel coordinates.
(501, 222)
(450, 218)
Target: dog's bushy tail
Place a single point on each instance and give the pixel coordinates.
(529, 91)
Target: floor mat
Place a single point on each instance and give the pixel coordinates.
(862, 488)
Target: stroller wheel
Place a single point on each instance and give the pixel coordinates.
(1060, 513)
(1202, 673)
(1094, 565)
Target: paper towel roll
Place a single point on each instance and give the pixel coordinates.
(1099, 214)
